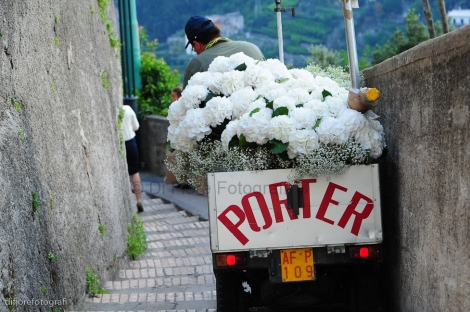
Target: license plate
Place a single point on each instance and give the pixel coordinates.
(297, 265)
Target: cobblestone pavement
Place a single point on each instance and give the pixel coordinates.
(175, 273)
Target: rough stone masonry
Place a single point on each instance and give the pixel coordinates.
(62, 171)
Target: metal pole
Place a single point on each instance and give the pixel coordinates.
(351, 44)
(130, 52)
(279, 30)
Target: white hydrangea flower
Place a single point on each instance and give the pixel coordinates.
(214, 83)
(184, 144)
(257, 104)
(278, 69)
(303, 79)
(332, 130)
(217, 110)
(320, 108)
(198, 79)
(219, 65)
(375, 134)
(192, 96)
(255, 128)
(239, 58)
(229, 132)
(172, 133)
(241, 99)
(304, 118)
(335, 105)
(176, 112)
(302, 142)
(284, 101)
(299, 73)
(257, 76)
(231, 82)
(326, 83)
(317, 94)
(282, 127)
(271, 91)
(179, 139)
(300, 95)
(195, 124)
(353, 120)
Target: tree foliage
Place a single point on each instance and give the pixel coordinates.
(415, 32)
(157, 80)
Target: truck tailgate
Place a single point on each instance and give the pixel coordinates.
(249, 210)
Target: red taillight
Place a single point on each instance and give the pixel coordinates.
(364, 252)
(231, 259)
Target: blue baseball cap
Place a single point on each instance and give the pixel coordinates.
(196, 26)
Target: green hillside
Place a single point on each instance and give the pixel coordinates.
(316, 22)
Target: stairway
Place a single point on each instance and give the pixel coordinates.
(174, 274)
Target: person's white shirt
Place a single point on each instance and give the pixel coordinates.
(130, 124)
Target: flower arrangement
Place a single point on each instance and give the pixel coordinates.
(244, 114)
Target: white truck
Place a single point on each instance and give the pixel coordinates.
(311, 245)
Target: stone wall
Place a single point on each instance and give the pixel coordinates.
(151, 139)
(61, 170)
(425, 177)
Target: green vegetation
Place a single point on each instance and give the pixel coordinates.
(21, 133)
(52, 256)
(17, 104)
(113, 37)
(56, 41)
(56, 18)
(93, 286)
(1, 34)
(157, 80)
(121, 136)
(102, 229)
(53, 86)
(136, 238)
(115, 256)
(36, 201)
(415, 32)
(44, 290)
(51, 203)
(316, 22)
(105, 80)
(9, 299)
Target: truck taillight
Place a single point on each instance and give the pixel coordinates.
(230, 259)
(364, 252)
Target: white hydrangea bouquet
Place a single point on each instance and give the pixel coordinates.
(244, 114)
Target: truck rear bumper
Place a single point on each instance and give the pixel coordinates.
(271, 261)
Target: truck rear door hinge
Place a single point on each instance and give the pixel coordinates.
(295, 198)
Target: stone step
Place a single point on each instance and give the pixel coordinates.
(170, 262)
(164, 272)
(178, 234)
(119, 286)
(174, 274)
(175, 301)
(195, 251)
(191, 310)
(176, 227)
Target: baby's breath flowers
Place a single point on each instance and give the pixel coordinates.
(245, 115)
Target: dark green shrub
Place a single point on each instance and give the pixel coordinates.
(157, 82)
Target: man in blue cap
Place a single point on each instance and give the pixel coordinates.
(207, 42)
